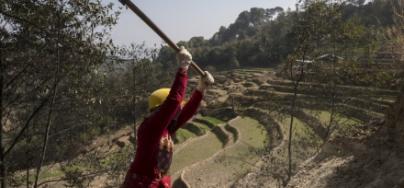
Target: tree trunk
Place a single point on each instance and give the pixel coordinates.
(49, 118)
(333, 88)
(46, 135)
(2, 160)
(293, 109)
(27, 178)
(291, 132)
(134, 104)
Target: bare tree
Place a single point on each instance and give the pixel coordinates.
(296, 74)
(54, 93)
(305, 32)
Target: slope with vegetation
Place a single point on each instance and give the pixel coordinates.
(304, 98)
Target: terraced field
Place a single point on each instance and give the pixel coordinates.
(260, 94)
(241, 138)
(222, 169)
(198, 148)
(265, 99)
(210, 137)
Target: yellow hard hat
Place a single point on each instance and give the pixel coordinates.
(158, 97)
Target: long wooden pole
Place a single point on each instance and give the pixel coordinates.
(156, 29)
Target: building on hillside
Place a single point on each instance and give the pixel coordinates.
(300, 64)
(310, 66)
(329, 58)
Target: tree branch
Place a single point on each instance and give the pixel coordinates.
(23, 20)
(33, 114)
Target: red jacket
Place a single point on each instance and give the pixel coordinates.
(154, 145)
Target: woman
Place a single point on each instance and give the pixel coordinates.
(154, 144)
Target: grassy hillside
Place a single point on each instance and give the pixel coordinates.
(248, 150)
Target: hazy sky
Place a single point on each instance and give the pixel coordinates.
(183, 19)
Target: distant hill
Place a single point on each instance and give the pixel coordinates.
(265, 37)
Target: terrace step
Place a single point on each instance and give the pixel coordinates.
(231, 136)
(354, 104)
(317, 87)
(222, 169)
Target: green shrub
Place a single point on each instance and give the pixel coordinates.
(75, 176)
